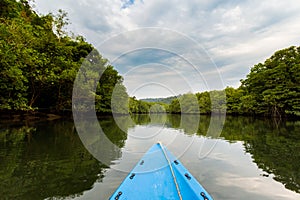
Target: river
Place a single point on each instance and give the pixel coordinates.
(244, 158)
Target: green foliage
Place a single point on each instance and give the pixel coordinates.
(166, 100)
(218, 101)
(119, 101)
(108, 81)
(142, 107)
(233, 100)
(10, 8)
(138, 106)
(60, 22)
(157, 108)
(273, 87)
(204, 102)
(39, 61)
(175, 106)
(187, 103)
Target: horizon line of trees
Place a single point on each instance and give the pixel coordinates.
(271, 88)
(39, 63)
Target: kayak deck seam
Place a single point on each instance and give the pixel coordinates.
(172, 171)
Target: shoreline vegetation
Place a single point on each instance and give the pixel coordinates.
(40, 61)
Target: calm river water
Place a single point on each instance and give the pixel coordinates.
(244, 159)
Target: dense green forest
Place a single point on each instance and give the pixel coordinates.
(271, 88)
(166, 100)
(39, 61)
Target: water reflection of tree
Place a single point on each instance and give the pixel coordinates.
(141, 119)
(275, 148)
(113, 132)
(46, 160)
(189, 123)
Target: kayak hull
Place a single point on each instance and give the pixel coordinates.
(159, 175)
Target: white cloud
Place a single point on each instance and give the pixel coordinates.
(236, 34)
(256, 185)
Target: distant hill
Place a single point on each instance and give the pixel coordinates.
(166, 100)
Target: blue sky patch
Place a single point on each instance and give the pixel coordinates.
(127, 3)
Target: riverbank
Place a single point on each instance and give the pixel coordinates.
(50, 115)
(40, 115)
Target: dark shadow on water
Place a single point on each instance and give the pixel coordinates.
(47, 160)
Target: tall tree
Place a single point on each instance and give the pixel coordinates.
(204, 102)
(233, 100)
(39, 61)
(274, 86)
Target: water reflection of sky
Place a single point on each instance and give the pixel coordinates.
(222, 167)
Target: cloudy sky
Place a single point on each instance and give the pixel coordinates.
(168, 47)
